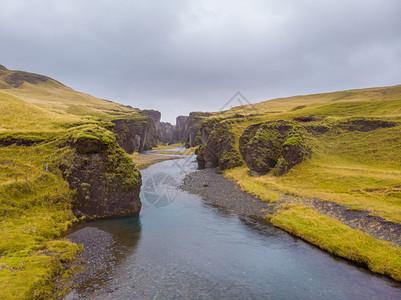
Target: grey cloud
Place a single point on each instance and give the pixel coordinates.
(180, 56)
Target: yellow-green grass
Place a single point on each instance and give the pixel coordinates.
(192, 149)
(145, 160)
(35, 204)
(360, 170)
(257, 186)
(173, 152)
(376, 101)
(339, 239)
(169, 146)
(63, 100)
(34, 211)
(51, 106)
(19, 276)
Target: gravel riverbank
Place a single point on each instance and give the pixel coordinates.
(215, 188)
(94, 262)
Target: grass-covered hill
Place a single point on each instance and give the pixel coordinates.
(32, 102)
(330, 164)
(57, 147)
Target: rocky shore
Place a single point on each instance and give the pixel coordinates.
(94, 262)
(214, 187)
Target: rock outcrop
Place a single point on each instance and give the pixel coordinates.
(166, 133)
(139, 133)
(188, 128)
(365, 124)
(131, 133)
(218, 146)
(152, 134)
(181, 129)
(273, 146)
(105, 179)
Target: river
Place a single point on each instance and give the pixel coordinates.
(182, 247)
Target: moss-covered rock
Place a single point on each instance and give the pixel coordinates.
(273, 146)
(105, 179)
(230, 159)
(219, 146)
(200, 156)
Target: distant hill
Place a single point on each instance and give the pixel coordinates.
(45, 103)
(379, 101)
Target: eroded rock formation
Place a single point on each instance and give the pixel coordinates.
(188, 127)
(105, 179)
(166, 133)
(273, 146)
(139, 133)
(218, 146)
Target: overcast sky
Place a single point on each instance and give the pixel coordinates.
(181, 56)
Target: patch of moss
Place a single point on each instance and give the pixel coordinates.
(230, 159)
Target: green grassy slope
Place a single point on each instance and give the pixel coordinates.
(354, 167)
(37, 116)
(360, 169)
(51, 103)
(363, 102)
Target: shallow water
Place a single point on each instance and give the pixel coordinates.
(182, 247)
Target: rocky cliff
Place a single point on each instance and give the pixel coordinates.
(188, 128)
(218, 145)
(275, 146)
(138, 133)
(166, 133)
(105, 179)
(181, 129)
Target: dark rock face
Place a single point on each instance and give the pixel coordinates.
(153, 126)
(188, 128)
(166, 132)
(131, 135)
(106, 180)
(365, 125)
(218, 149)
(138, 134)
(194, 124)
(276, 146)
(181, 129)
(200, 157)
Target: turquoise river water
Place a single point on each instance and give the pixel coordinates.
(183, 247)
